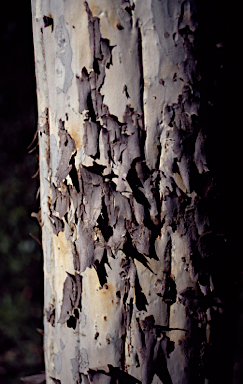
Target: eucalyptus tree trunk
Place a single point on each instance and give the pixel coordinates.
(130, 293)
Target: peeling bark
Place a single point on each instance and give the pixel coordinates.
(125, 193)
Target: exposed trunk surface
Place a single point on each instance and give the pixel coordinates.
(130, 290)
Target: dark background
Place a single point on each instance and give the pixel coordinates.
(21, 276)
(21, 287)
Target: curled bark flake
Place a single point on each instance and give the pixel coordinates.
(118, 239)
(99, 264)
(90, 245)
(102, 109)
(131, 293)
(184, 166)
(113, 127)
(109, 200)
(100, 60)
(163, 249)
(103, 222)
(139, 211)
(130, 148)
(199, 154)
(72, 290)
(76, 199)
(90, 176)
(90, 138)
(84, 91)
(129, 127)
(179, 182)
(133, 288)
(122, 204)
(51, 314)
(119, 212)
(168, 209)
(104, 147)
(181, 119)
(93, 205)
(67, 149)
(62, 201)
(94, 36)
(141, 239)
(91, 187)
(166, 288)
(57, 224)
(149, 347)
(54, 195)
(106, 52)
(104, 63)
(93, 112)
(149, 192)
(85, 247)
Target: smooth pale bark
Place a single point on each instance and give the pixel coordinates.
(123, 183)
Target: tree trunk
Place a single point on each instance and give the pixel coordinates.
(131, 291)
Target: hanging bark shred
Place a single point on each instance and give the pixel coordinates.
(34, 379)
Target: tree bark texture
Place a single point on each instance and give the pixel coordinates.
(130, 292)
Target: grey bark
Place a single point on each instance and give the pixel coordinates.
(129, 292)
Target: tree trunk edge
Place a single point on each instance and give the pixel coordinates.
(178, 222)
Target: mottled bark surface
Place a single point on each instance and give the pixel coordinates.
(131, 291)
